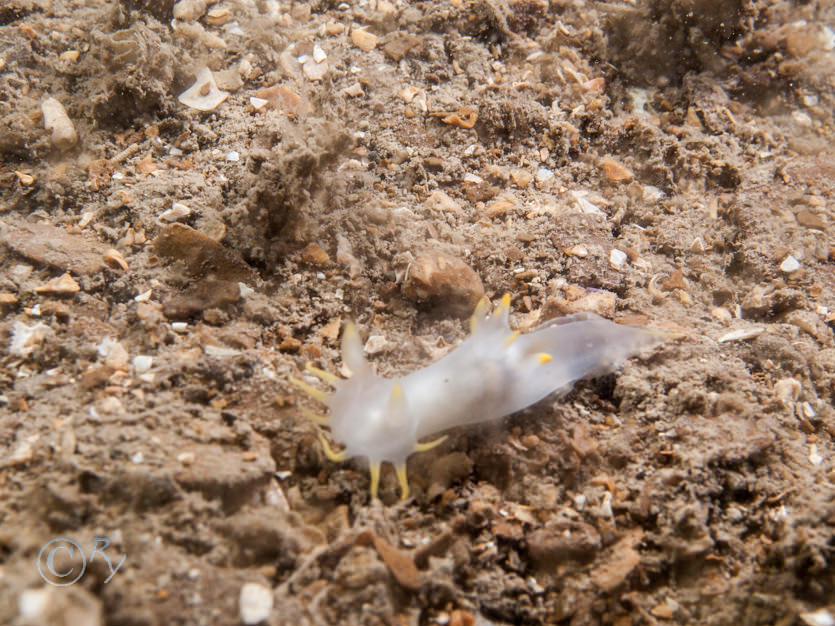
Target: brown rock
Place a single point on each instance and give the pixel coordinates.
(563, 540)
(63, 285)
(314, 254)
(54, 247)
(399, 45)
(290, 344)
(623, 558)
(676, 281)
(480, 192)
(601, 302)
(202, 254)
(207, 294)
(222, 472)
(442, 201)
(810, 220)
(364, 40)
(444, 279)
(521, 178)
(616, 172)
(400, 564)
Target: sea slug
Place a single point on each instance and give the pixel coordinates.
(494, 372)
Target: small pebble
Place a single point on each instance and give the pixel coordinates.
(255, 603)
(142, 363)
(364, 40)
(204, 94)
(617, 259)
(790, 264)
(57, 122)
(814, 457)
(616, 172)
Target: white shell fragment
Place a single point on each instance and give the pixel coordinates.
(742, 333)
(617, 259)
(790, 264)
(204, 94)
(256, 603)
(821, 617)
(814, 456)
(57, 122)
(26, 338)
(178, 211)
(142, 363)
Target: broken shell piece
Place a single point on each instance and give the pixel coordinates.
(178, 211)
(142, 363)
(722, 314)
(26, 338)
(814, 457)
(375, 345)
(24, 179)
(57, 122)
(258, 103)
(742, 333)
(114, 258)
(218, 17)
(319, 54)
(787, 390)
(113, 353)
(465, 117)
(314, 70)
(189, 10)
(62, 285)
(579, 251)
(204, 94)
(617, 259)
(790, 264)
(821, 617)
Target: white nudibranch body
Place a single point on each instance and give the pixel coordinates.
(493, 373)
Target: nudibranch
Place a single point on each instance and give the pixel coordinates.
(496, 371)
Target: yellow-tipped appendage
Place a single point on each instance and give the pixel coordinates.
(479, 313)
(374, 468)
(544, 357)
(319, 420)
(423, 447)
(511, 338)
(336, 457)
(400, 470)
(316, 394)
(325, 377)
